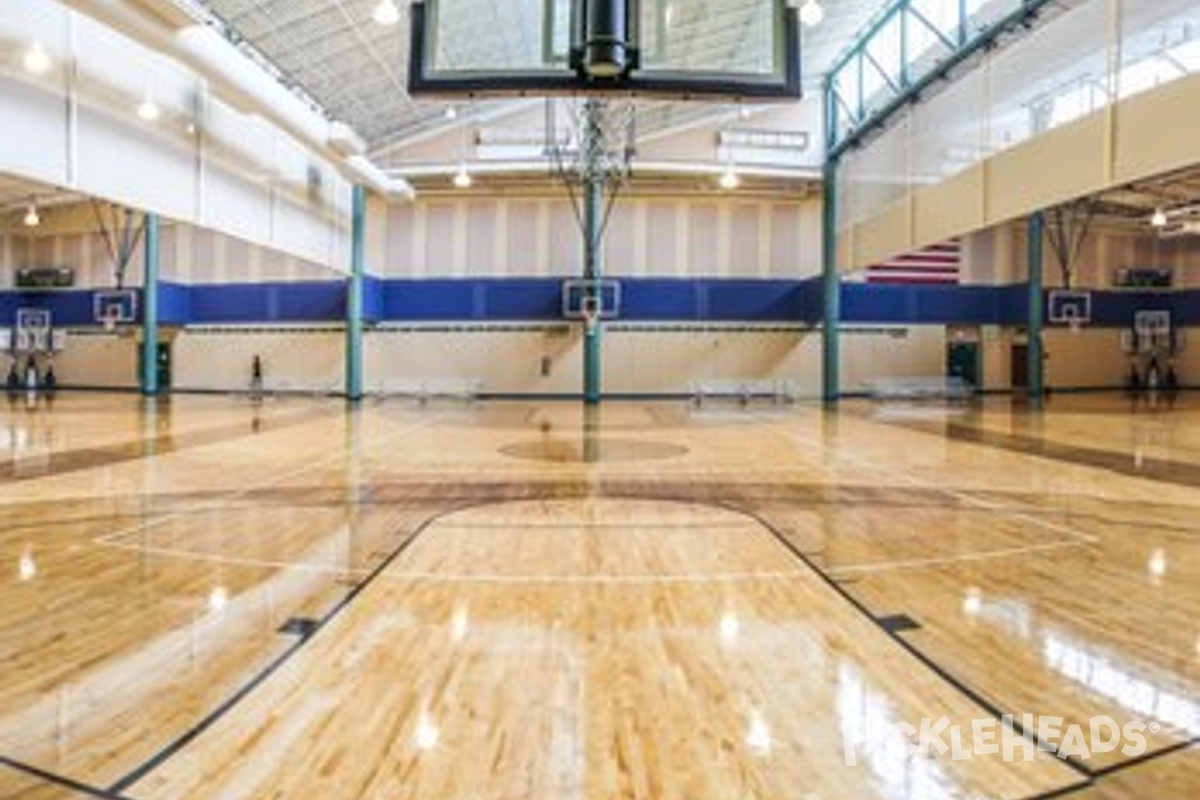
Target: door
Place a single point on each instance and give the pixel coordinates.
(1020, 366)
(962, 362)
(164, 366)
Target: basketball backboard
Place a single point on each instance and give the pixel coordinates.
(685, 49)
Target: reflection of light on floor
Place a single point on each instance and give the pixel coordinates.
(1098, 672)
(728, 629)
(26, 566)
(1158, 563)
(218, 598)
(758, 734)
(1011, 615)
(460, 624)
(868, 725)
(427, 734)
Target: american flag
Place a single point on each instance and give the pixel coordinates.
(936, 264)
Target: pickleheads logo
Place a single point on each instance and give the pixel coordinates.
(991, 736)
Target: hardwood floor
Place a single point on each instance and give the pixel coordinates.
(530, 601)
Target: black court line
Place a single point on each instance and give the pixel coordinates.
(60, 780)
(884, 624)
(192, 733)
(971, 694)
(1136, 761)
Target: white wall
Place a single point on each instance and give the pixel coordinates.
(76, 126)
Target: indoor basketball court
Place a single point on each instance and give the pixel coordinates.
(599, 399)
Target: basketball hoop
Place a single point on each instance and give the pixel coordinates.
(1076, 325)
(110, 323)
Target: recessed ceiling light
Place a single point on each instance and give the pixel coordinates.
(386, 12)
(812, 13)
(36, 60)
(1159, 220)
(451, 112)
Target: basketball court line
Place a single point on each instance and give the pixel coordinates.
(110, 539)
(1078, 537)
(62, 781)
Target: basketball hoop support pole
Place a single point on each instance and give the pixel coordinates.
(1035, 360)
(593, 212)
(150, 387)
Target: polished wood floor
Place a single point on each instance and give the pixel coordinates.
(209, 599)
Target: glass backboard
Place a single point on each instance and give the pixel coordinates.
(702, 49)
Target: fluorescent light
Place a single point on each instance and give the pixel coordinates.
(37, 60)
(386, 13)
(730, 179)
(1159, 220)
(462, 178)
(811, 13)
(148, 110)
(32, 218)
(451, 112)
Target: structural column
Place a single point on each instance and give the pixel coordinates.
(832, 290)
(593, 270)
(1036, 355)
(149, 377)
(354, 296)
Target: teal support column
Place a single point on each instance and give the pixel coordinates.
(593, 270)
(832, 285)
(354, 296)
(150, 387)
(1036, 366)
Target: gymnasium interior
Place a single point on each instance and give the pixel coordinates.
(599, 399)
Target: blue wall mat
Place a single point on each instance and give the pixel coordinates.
(174, 304)
(323, 301)
(642, 299)
(933, 305)
(71, 307)
(373, 298)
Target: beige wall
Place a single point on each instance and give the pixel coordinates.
(530, 236)
(104, 361)
(293, 360)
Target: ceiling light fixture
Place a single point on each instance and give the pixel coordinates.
(148, 110)
(462, 178)
(451, 112)
(730, 180)
(32, 218)
(386, 12)
(36, 60)
(1159, 220)
(812, 13)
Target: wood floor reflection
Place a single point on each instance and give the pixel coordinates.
(474, 622)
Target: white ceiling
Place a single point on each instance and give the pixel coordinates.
(357, 69)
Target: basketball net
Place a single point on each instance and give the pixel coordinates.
(591, 321)
(1076, 325)
(110, 323)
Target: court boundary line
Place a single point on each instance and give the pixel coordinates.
(971, 694)
(46, 776)
(197, 729)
